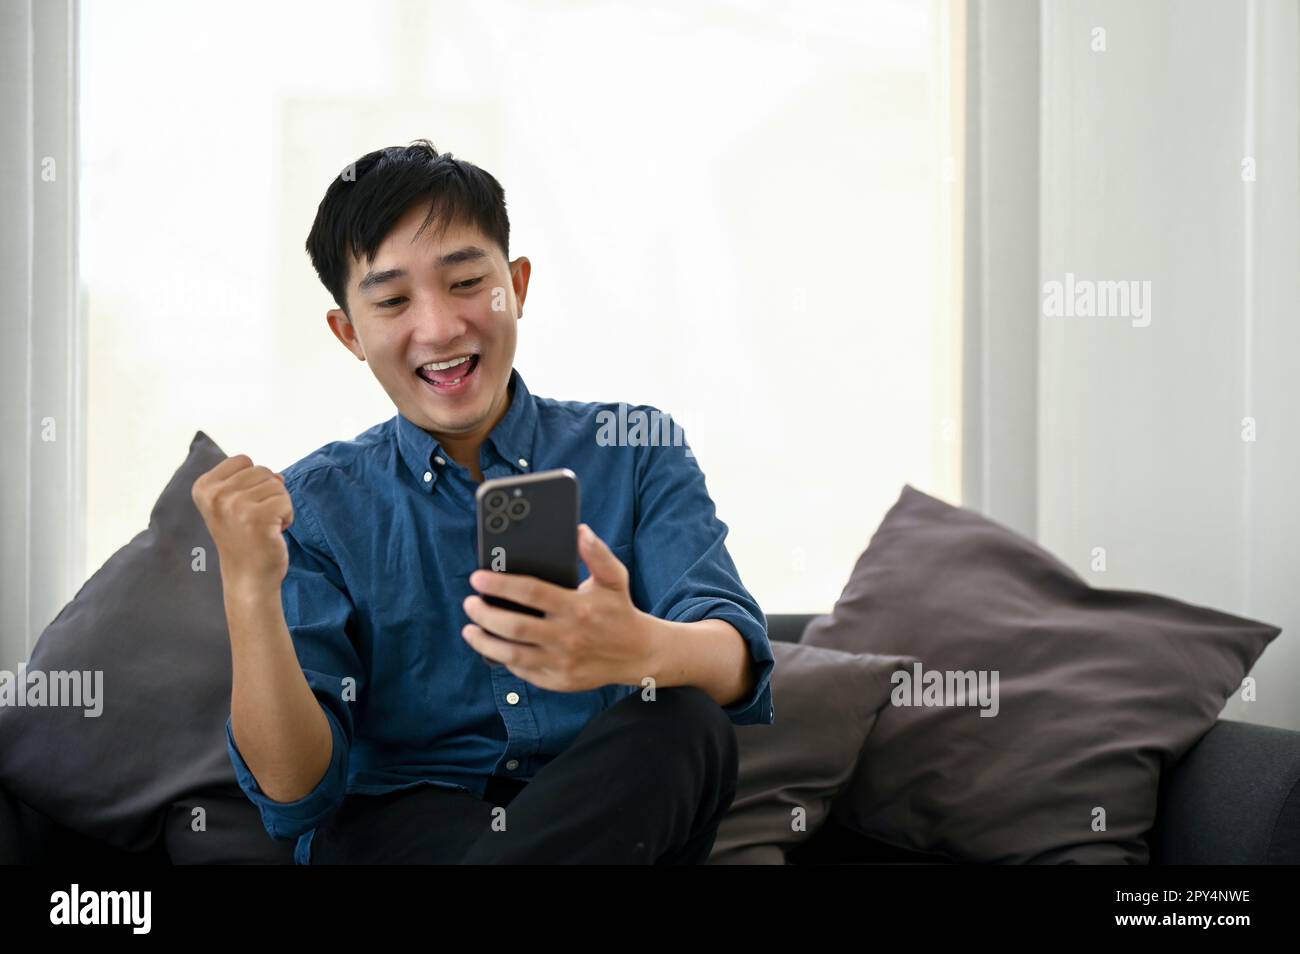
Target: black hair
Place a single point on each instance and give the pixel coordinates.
(366, 200)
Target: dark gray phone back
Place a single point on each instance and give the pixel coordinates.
(529, 525)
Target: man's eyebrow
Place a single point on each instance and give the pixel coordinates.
(378, 278)
(470, 253)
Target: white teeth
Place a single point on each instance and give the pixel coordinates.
(444, 365)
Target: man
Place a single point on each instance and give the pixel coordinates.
(365, 720)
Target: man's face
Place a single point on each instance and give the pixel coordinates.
(437, 298)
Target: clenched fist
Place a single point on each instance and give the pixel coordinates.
(247, 509)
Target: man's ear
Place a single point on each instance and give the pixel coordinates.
(520, 270)
(345, 331)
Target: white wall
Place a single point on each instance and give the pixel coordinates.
(1141, 428)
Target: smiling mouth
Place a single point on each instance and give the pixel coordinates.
(449, 378)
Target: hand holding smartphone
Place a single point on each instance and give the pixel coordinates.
(529, 525)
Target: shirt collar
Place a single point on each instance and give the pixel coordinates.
(512, 438)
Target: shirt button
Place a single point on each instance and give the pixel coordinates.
(512, 764)
(427, 476)
(512, 698)
(439, 461)
(523, 462)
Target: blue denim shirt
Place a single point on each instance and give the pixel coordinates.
(380, 552)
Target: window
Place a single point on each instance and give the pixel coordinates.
(743, 213)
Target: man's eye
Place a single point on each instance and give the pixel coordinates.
(468, 283)
(391, 302)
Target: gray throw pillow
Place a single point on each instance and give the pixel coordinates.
(152, 621)
(791, 770)
(1098, 692)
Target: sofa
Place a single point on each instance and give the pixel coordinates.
(1233, 799)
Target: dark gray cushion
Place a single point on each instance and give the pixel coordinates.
(1233, 799)
(790, 771)
(1098, 692)
(156, 628)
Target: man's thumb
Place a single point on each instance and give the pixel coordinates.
(599, 558)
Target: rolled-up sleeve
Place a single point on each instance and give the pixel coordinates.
(321, 617)
(682, 571)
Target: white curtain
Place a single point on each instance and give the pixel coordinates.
(41, 405)
(736, 211)
(1000, 330)
(1157, 142)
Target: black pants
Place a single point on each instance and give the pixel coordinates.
(643, 783)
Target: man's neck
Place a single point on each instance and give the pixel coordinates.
(465, 450)
(466, 456)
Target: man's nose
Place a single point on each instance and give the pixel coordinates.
(441, 322)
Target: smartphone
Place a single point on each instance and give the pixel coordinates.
(529, 525)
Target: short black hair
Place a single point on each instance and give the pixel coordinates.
(366, 200)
